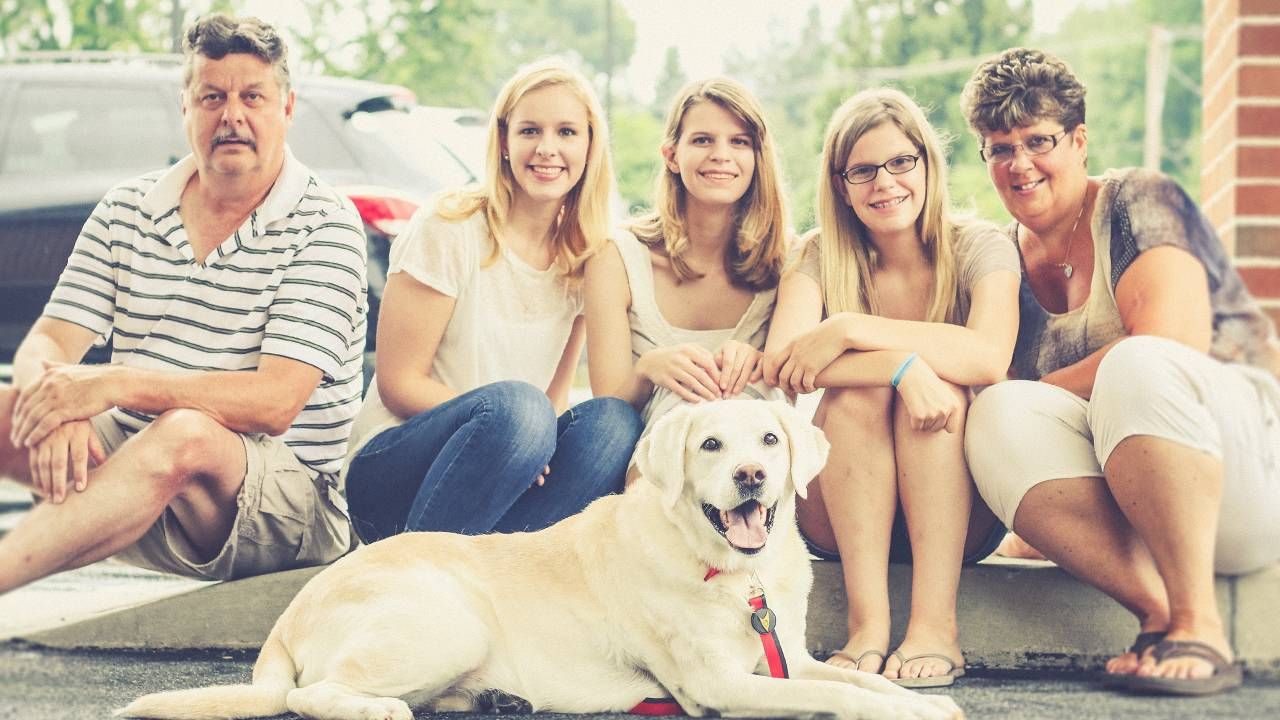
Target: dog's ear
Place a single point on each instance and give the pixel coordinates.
(808, 445)
(660, 454)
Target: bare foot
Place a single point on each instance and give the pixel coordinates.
(860, 653)
(1015, 547)
(1187, 667)
(1127, 663)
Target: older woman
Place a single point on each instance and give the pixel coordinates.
(1138, 449)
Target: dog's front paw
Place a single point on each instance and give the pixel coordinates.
(385, 708)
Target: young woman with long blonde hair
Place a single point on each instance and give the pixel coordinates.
(895, 308)
(480, 332)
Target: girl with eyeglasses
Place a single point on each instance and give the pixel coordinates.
(895, 308)
(678, 305)
(1139, 447)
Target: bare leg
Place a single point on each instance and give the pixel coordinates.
(1171, 495)
(1015, 547)
(851, 508)
(13, 462)
(184, 460)
(1076, 523)
(937, 494)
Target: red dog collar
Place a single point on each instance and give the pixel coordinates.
(763, 621)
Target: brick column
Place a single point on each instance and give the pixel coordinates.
(1240, 151)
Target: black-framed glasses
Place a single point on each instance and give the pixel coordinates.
(1034, 145)
(859, 174)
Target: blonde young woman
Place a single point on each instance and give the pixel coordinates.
(480, 332)
(896, 309)
(678, 307)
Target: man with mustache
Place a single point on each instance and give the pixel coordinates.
(233, 287)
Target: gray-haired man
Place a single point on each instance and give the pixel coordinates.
(233, 287)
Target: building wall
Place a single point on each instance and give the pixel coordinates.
(1240, 151)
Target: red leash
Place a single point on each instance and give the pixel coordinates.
(763, 621)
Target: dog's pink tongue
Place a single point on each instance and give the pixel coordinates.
(744, 526)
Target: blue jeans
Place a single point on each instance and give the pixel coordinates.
(469, 465)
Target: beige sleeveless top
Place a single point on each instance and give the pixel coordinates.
(650, 330)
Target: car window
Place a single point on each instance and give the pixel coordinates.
(58, 129)
(315, 143)
(418, 143)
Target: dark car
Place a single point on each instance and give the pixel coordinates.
(74, 125)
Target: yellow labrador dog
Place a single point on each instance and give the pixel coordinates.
(641, 595)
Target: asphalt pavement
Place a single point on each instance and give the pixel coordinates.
(37, 684)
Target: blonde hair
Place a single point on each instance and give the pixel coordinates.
(584, 219)
(848, 256)
(759, 249)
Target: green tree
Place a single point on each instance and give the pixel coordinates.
(118, 25)
(532, 28)
(789, 81)
(637, 135)
(444, 51)
(1112, 66)
(121, 25)
(458, 52)
(670, 79)
(25, 25)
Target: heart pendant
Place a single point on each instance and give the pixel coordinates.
(1067, 269)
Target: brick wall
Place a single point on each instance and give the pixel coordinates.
(1240, 151)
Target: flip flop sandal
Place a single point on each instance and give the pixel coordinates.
(1226, 675)
(954, 670)
(1140, 644)
(858, 660)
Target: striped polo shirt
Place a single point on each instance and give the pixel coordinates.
(289, 282)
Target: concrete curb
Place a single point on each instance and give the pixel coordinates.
(1033, 615)
(1013, 615)
(229, 615)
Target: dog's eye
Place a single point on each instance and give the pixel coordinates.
(711, 444)
(770, 439)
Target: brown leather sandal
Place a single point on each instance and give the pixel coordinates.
(1141, 643)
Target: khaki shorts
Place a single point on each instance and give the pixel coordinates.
(288, 517)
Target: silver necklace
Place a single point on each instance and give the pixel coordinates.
(1065, 265)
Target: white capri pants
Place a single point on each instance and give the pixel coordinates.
(1021, 433)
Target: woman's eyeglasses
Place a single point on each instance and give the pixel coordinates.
(1034, 145)
(859, 174)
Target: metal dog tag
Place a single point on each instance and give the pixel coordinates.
(763, 621)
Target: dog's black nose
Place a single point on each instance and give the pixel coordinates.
(749, 475)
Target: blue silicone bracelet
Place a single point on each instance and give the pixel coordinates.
(902, 370)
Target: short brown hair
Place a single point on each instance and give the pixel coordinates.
(1019, 87)
(217, 35)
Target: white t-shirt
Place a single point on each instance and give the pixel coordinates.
(510, 321)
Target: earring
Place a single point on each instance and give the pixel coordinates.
(506, 157)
